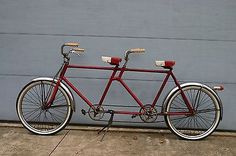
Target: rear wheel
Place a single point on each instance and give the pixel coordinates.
(33, 114)
(202, 122)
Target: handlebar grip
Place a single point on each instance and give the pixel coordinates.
(137, 50)
(72, 44)
(78, 50)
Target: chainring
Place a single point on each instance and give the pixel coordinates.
(148, 113)
(96, 115)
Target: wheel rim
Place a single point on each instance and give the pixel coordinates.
(205, 118)
(33, 113)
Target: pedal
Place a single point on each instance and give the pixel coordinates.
(133, 116)
(83, 111)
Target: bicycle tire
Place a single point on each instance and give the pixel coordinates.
(203, 122)
(34, 117)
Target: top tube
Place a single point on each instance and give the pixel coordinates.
(119, 69)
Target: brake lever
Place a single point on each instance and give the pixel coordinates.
(75, 52)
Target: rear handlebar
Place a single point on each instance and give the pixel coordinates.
(135, 51)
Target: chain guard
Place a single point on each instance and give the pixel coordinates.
(148, 114)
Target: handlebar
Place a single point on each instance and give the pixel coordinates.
(135, 51)
(74, 49)
(68, 44)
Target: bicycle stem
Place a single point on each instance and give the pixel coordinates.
(126, 58)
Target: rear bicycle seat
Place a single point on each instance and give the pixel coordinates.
(112, 60)
(165, 64)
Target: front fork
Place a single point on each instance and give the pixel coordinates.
(53, 95)
(54, 89)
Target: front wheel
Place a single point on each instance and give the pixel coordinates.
(33, 114)
(202, 122)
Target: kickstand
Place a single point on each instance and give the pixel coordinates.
(108, 125)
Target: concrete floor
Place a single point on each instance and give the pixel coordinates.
(85, 141)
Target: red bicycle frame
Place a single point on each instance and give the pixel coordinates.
(117, 76)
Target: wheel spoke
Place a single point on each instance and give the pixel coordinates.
(202, 122)
(34, 116)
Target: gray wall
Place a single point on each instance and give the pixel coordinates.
(199, 35)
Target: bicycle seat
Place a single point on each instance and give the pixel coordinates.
(111, 60)
(165, 64)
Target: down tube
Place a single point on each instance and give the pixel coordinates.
(131, 93)
(78, 92)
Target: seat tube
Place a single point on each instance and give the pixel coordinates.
(189, 106)
(108, 86)
(161, 89)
